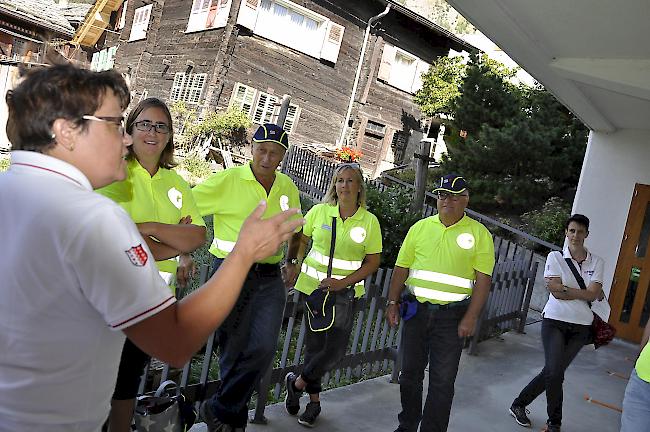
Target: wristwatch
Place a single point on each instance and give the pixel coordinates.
(391, 302)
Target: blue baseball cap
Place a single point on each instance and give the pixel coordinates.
(272, 133)
(451, 183)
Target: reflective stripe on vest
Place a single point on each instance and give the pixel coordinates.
(224, 246)
(442, 278)
(432, 294)
(439, 286)
(319, 275)
(337, 263)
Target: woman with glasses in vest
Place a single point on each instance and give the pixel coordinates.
(161, 204)
(357, 249)
(566, 325)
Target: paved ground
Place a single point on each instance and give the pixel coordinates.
(485, 387)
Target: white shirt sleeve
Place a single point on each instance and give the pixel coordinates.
(115, 268)
(552, 267)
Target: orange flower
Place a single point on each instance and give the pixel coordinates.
(348, 154)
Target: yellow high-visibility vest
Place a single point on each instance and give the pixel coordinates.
(442, 261)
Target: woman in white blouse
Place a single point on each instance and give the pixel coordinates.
(566, 326)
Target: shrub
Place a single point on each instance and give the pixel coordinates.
(547, 223)
(392, 208)
(4, 163)
(229, 126)
(194, 168)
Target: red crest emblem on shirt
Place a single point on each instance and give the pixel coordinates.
(137, 255)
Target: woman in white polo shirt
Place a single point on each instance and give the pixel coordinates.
(77, 275)
(567, 320)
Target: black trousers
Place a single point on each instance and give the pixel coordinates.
(324, 349)
(431, 336)
(562, 342)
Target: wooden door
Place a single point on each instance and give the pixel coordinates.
(630, 296)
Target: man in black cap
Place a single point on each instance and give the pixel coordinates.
(446, 263)
(247, 339)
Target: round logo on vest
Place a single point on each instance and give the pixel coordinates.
(176, 197)
(358, 234)
(284, 203)
(465, 241)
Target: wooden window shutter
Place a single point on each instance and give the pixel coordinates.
(177, 86)
(110, 62)
(332, 42)
(292, 118)
(95, 61)
(243, 98)
(386, 64)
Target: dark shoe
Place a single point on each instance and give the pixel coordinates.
(292, 400)
(551, 428)
(211, 420)
(308, 418)
(520, 415)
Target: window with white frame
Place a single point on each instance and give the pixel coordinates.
(140, 23)
(295, 26)
(104, 59)
(121, 17)
(187, 87)
(208, 14)
(401, 69)
(262, 107)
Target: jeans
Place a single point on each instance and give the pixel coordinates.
(324, 349)
(636, 405)
(562, 342)
(247, 342)
(431, 336)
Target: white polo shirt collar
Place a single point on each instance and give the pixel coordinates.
(26, 161)
(567, 254)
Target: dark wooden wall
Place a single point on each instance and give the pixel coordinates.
(321, 89)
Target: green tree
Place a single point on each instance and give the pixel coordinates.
(440, 86)
(517, 145)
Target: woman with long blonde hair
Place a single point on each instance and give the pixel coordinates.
(356, 253)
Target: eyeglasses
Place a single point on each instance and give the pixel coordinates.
(446, 195)
(354, 165)
(146, 126)
(118, 121)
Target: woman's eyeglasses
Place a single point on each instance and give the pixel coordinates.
(146, 126)
(118, 121)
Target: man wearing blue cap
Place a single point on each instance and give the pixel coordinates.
(446, 263)
(248, 337)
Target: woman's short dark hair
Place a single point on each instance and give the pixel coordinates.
(579, 219)
(57, 92)
(167, 155)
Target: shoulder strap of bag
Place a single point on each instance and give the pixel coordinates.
(332, 244)
(577, 275)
